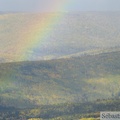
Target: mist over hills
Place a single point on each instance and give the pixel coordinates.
(72, 34)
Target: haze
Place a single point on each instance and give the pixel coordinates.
(59, 5)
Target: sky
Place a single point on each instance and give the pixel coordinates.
(59, 5)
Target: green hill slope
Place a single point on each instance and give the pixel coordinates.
(80, 79)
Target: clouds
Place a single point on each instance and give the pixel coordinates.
(59, 5)
(95, 5)
(18, 5)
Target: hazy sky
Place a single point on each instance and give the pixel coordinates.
(59, 5)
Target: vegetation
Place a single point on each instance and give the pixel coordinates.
(80, 79)
(88, 119)
(66, 111)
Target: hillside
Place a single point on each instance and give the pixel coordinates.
(77, 79)
(67, 111)
(68, 34)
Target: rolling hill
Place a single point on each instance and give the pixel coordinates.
(75, 79)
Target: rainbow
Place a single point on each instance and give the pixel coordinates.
(37, 31)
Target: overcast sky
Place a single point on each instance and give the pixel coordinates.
(59, 5)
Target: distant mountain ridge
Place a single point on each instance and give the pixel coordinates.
(74, 33)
